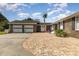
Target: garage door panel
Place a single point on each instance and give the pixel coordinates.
(28, 26)
(17, 30)
(28, 30)
(17, 26)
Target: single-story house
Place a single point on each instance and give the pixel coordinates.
(23, 26)
(69, 24)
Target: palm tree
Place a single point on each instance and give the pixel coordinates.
(44, 16)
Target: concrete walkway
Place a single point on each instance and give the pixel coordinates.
(11, 45)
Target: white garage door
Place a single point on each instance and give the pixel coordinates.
(28, 28)
(17, 28)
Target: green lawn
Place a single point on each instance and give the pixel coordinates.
(1, 33)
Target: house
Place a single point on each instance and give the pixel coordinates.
(69, 24)
(23, 26)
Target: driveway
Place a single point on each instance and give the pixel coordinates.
(47, 44)
(11, 45)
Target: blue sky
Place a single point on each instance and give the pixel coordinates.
(55, 11)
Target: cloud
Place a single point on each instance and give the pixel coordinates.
(61, 15)
(48, 9)
(50, 4)
(58, 8)
(11, 6)
(58, 11)
(36, 14)
(23, 15)
(61, 5)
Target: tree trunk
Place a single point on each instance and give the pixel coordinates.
(44, 25)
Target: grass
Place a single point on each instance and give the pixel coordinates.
(1, 33)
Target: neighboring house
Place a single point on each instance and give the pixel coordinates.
(69, 24)
(28, 26)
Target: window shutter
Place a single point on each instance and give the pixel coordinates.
(73, 23)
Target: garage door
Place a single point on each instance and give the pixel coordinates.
(17, 28)
(28, 28)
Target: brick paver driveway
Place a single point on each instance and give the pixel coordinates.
(11, 45)
(48, 44)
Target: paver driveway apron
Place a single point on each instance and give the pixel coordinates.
(11, 44)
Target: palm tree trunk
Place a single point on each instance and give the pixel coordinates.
(44, 25)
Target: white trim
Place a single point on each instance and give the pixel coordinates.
(76, 29)
(42, 28)
(61, 26)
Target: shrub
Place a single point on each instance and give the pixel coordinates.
(60, 33)
(1, 28)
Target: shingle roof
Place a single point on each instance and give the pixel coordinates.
(24, 21)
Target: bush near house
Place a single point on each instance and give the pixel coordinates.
(60, 33)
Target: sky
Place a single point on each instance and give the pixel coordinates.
(55, 11)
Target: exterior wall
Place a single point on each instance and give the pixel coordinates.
(10, 28)
(68, 26)
(58, 25)
(34, 28)
(55, 26)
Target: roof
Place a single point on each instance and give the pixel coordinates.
(23, 21)
(68, 17)
(28, 22)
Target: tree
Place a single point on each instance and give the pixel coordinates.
(3, 22)
(44, 16)
(31, 20)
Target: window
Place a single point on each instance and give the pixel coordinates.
(61, 25)
(77, 23)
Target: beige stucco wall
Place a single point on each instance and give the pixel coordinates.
(68, 26)
(68, 29)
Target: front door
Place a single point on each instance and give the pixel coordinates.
(48, 28)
